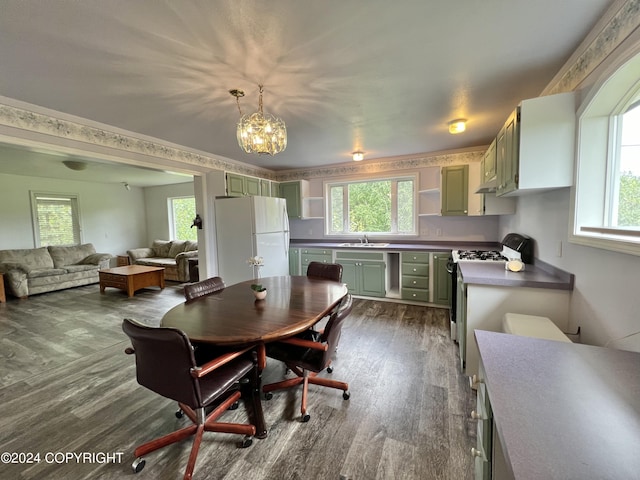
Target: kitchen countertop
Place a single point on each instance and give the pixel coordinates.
(563, 410)
(398, 247)
(538, 275)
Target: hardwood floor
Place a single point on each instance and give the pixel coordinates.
(67, 386)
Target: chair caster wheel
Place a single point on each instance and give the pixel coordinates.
(138, 464)
(246, 442)
(268, 396)
(346, 395)
(234, 406)
(305, 418)
(179, 414)
(329, 369)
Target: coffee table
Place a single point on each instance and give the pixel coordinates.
(131, 278)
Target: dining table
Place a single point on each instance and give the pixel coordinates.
(234, 317)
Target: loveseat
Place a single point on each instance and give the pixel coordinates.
(37, 270)
(173, 255)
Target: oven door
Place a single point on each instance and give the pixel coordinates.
(452, 268)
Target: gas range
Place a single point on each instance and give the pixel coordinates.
(514, 247)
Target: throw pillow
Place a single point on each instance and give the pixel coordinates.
(177, 246)
(161, 248)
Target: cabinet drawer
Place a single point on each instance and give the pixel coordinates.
(112, 280)
(415, 294)
(415, 269)
(409, 257)
(307, 258)
(315, 251)
(409, 281)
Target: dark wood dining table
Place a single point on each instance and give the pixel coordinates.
(233, 316)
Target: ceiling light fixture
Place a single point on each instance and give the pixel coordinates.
(458, 125)
(260, 132)
(74, 165)
(358, 156)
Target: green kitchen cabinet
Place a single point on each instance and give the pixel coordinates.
(308, 255)
(489, 163)
(415, 276)
(455, 190)
(242, 185)
(291, 192)
(363, 272)
(294, 261)
(265, 188)
(441, 278)
(507, 158)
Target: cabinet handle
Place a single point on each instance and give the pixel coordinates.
(465, 211)
(475, 415)
(413, 295)
(415, 269)
(475, 380)
(414, 282)
(475, 452)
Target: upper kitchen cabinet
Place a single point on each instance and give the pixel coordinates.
(486, 203)
(454, 196)
(299, 203)
(242, 185)
(535, 147)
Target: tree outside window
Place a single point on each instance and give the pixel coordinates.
(182, 212)
(384, 206)
(56, 219)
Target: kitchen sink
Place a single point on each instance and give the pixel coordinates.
(364, 245)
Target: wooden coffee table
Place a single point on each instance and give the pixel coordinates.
(131, 278)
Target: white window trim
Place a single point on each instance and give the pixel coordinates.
(394, 202)
(589, 197)
(34, 213)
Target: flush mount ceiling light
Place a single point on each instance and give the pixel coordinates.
(458, 125)
(358, 156)
(260, 132)
(74, 165)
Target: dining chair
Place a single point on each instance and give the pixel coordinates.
(202, 288)
(330, 271)
(167, 365)
(308, 354)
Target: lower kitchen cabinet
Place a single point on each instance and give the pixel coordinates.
(415, 276)
(441, 278)
(308, 255)
(484, 430)
(363, 272)
(294, 262)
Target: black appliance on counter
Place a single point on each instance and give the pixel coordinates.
(514, 247)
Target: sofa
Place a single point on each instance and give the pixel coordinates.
(37, 270)
(173, 255)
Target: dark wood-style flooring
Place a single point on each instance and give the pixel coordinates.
(66, 386)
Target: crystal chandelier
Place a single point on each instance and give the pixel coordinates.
(260, 132)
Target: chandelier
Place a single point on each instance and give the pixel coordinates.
(260, 132)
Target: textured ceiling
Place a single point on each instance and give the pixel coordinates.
(379, 76)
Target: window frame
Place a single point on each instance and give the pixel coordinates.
(74, 199)
(346, 181)
(171, 213)
(592, 204)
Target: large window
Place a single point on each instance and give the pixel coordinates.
(182, 211)
(606, 208)
(381, 206)
(56, 219)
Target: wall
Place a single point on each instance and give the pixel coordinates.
(605, 301)
(113, 219)
(157, 209)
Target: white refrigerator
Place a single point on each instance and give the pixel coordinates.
(248, 227)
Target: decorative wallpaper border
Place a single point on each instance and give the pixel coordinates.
(35, 122)
(619, 27)
(384, 165)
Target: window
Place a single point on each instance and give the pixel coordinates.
(606, 198)
(56, 219)
(381, 206)
(182, 211)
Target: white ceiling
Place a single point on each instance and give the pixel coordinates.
(380, 76)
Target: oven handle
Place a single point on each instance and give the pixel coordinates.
(450, 266)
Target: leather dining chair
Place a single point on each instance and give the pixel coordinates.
(329, 271)
(307, 354)
(202, 288)
(167, 365)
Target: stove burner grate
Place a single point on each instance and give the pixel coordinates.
(488, 255)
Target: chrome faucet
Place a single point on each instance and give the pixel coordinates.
(366, 239)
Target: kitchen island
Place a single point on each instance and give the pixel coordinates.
(561, 410)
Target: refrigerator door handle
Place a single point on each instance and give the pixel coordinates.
(285, 226)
